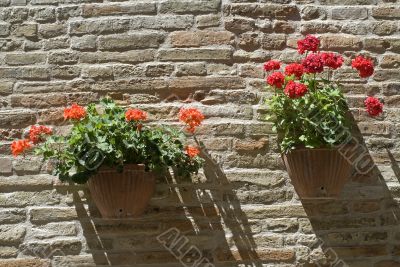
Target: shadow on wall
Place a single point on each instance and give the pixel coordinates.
(362, 227)
(197, 224)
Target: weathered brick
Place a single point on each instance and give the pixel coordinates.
(195, 54)
(98, 72)
(11, 234)
(8, 252)
(206, 21)
(38, 101)
(384, 28)
(52, 30)
(249, 41)
(185, 6)
(43, 14)
(143, 8)
(207, 83)
(54, 230)
(14, 15)
(391, 12)
(239, 25)
(6, 87)
(273, 41)
(4, 29)
(129, 42)
(65, 72)
(319, 27)
(200, 38)
(12, 216)
(313, 12)
(126, 57)
(63, 58)
(271, 11)
(349, 13)
(99, 26)
(156, 70)
(84, 43)
(164, 22)
(390, 61)
(16, 119)
(26, 30)
(56, 247)
(341, 42)
(191, 69)
(5, 166)
(25, 58)
(26, 73)
(25, 263)
(45, 215)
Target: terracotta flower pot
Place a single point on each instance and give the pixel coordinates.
(318, 172)
(122, 194)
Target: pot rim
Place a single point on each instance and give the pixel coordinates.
(316, 149)
(127, 167)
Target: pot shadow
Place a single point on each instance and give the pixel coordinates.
(361, 227)
(203, 215)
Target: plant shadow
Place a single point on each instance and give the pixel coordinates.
(201, 222)
(362, 226)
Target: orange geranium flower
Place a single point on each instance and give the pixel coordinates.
(192, 151)
(75, 112)
(135, 115)
(192, 117)
(19, 146)
(36, 133)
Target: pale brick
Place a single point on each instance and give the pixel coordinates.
(164, 22)
(43, 215)
(26, 30)
(349, 13)
(84, 43)
(341, 42)
(25, 58)
(5, 166)
(11, 234)
(25, 263)
(201, 38)
(185, 6)
(126, 57)
(206, 21)
(119, 9)
(52, 30)
(99, 26)
(195, 54)
(6, 87)
(391, 12)
(129, 42)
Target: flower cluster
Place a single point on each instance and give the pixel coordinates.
(192, 117)
(18, 147)
(75, 112)
(135, 115)
(313, 63)
(37, 133)
(310, 43)
(272, 65)
(295, 89)
(373, 106)
(192, 151)
(364, 66)
(332, 60)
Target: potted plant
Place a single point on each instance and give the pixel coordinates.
(311, 118)
(116, 153)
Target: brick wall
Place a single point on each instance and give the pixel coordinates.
(153, 54)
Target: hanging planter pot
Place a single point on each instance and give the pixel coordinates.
(317, 172)
(122, 194)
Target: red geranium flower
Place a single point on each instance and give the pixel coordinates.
(373, 106)
(36, 133)
(364, 66)
(135, 115)
(310, 43)
(276, 79)
(295, 69)
(332, 60)
(192, 151)
(313, 63)
(192, 117)
(19, 146)
(295, 90)
(75, 112)
(272, 65)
